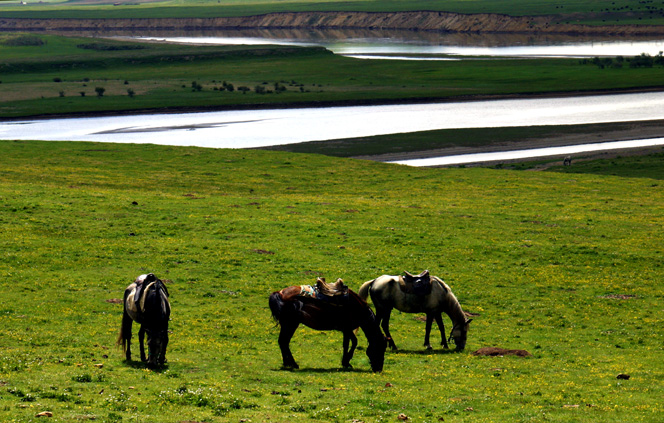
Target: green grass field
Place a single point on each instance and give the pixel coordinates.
(589, 12)
(45, 74)
(565, 265)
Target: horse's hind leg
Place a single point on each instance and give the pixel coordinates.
(349, 338)
(383, 316)
(141, 337)
(427, 331)
(285, 335)
(125, 335)
(441, 327)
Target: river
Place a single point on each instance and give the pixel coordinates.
(260, 128)
(407, 44)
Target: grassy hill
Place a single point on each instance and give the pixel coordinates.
(564, 265)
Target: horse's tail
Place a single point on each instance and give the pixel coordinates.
(276, 306)
(283, 309)
(125, 327)
(364, 289)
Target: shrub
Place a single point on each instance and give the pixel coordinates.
(29, 40)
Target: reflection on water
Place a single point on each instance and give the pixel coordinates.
(259, 128)
(531, 153)
(365, 41)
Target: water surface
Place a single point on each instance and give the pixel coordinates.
(389, 43)
(259, 128)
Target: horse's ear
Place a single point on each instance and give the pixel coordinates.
(320, 279)
(425, 273)
(468, 321)
(340, 280)
(408, 274)
(150, 277)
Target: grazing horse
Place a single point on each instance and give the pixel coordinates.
(146, 303)
(304, 304)
(388, 292)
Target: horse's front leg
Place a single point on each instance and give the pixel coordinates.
(285, 335)
(383, 316)
(164, 344)
(141, 338)
(441, 327)
(427, 331)
(349, 338)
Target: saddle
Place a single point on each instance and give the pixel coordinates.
(419, 285)
(142, 282)
(336, 289)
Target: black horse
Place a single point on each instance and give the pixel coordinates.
(292, 306)
(146, 303)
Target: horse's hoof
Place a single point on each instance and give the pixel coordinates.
(428, 347)
(290, 366)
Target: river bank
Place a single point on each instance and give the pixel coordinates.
(629, 131)
(426, 21)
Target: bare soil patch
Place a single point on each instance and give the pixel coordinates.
(496, 351)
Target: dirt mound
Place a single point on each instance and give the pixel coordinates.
(495, 351)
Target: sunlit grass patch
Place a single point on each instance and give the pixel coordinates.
(562, 265)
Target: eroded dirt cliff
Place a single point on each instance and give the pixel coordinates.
(418, 21)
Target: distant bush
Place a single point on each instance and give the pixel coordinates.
(228, 86)
(644, 60)
(24, 40)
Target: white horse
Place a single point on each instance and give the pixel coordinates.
(386, 294)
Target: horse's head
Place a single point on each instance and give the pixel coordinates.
(421, 279)
(157, 342)
(459, 334)
(155, 320)
(376, 352)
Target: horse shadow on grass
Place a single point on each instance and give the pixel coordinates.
(319, 370)
(441, 351)
(141, 365)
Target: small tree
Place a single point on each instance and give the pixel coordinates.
(130, 92)
(100, 91)
(82, 93)
(244, 89)
(62, 93)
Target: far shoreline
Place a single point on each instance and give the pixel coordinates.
(329, 104)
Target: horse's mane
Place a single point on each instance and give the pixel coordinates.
(452, 306)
